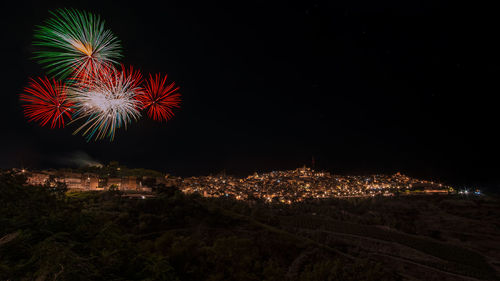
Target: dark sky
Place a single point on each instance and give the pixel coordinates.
(363, 86)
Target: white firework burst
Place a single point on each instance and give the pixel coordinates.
(106, 102)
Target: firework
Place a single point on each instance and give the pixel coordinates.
(45, 101)
(159, 98)
(75, 43)
(75, 46)
(106, 102)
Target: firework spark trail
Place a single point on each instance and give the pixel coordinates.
(107, 102)
(46, 102)
(159, 99)
(72, 42)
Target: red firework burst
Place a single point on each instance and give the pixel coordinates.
(45, 102)
(159, 98)
(91, 70)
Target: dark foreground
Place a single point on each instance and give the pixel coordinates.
(47, 235)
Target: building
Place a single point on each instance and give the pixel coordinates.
(72, 180)
(129, 183)
(37, 178)
(117, 182)
(90, 182)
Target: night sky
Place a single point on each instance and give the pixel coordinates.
(361, 86)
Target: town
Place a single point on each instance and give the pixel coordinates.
(304, 183)
(276, 186)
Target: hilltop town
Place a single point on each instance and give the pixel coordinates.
(276, 186)
(305, 183)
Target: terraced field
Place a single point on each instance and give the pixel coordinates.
(434, 254)
(441, 238)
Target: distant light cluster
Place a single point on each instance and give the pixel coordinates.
(81, 56)
(275, 187)
(304, 183)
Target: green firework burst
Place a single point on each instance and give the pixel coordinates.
(75, 42)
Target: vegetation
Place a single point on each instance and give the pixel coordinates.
(104, 236)
(47, 233)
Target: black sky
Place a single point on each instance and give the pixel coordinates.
(363, 86)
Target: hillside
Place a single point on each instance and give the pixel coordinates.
(49, 235)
